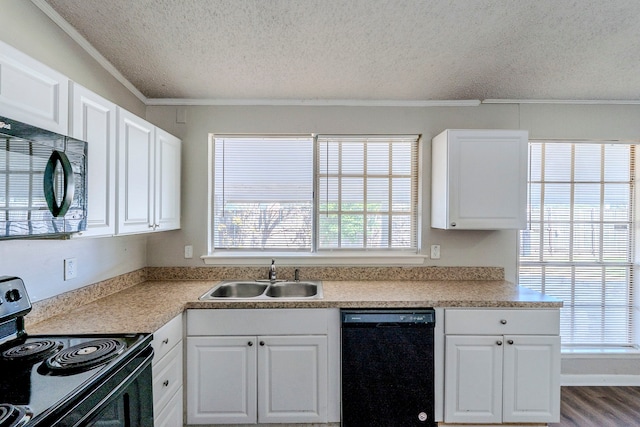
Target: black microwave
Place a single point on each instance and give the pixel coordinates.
(43, 182)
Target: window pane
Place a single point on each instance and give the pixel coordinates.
(263, 193)
(557, 162)
(375, 197)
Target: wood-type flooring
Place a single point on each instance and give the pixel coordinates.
(599, 407)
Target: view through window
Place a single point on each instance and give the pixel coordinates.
(580, 238)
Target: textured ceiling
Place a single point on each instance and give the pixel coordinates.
(403, 50)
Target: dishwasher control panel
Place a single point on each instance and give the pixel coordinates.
(421, 316)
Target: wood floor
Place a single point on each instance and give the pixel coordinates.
(599, 407)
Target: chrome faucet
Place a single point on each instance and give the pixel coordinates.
(272, 271)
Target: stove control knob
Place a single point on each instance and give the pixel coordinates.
(13, 295)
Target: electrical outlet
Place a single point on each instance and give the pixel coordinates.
(70, 268)
(435, 251)
(188, 251)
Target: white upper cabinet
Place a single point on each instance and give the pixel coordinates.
(479, 179)
(136, 156)
(32, 92)
(167, 172)
(148, 176)
(93, 119)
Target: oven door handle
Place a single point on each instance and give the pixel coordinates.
(58, 157)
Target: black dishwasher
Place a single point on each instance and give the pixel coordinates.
(387, 367)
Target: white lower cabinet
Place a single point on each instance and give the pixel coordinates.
(167, 374)
(502, 378)
(257, 378)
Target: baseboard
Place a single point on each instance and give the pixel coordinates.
(600, 380)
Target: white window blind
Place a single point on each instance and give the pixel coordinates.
(367, 192)
(580, 239)
(263, 193)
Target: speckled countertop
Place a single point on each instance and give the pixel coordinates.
(147, 306)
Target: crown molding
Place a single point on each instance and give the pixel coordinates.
(84, 44)
(564, 101)
(311, 102)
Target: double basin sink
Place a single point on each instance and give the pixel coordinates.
(265, 290)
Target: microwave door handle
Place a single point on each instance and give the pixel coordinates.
(49, 183)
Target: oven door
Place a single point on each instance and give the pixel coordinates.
(124, 400)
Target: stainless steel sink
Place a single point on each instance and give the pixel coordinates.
(292, 290)
(239, 290)
(265, 290)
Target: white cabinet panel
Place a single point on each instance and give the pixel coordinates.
(167, 377)
(473, 378)
(148, 176)
(479, 179)
(502, 321)
(32, 92)
(221, 380)
(292, 378)
(136, 142)
(262, 378)
(93, 119)
(531, 379)
(502, 378)
(167, 181)
(171, 415)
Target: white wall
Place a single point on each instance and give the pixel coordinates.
(40, 262)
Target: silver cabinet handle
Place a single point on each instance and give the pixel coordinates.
(499, 342)
(510, 342)
(165, 383)
(165, 341)
(503, 321)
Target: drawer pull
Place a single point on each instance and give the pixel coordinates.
(250, 343)
(503, 321)
(165, 341)
(262, 343)
(499, 342)
(510, 342)
(165, 383)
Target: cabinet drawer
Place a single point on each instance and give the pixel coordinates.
(172, 414)
(167, 377)
(166, 337)
(502, 321)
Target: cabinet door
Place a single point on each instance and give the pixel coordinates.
(167, 181)
(531, 379)
(135, 174)
(32, 92)
(292, 379)
(479, 179)
(473, 379)
(93, 119)
(221, 380)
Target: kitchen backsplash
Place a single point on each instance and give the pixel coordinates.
(328, 273)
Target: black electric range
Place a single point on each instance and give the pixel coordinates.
(69, 380)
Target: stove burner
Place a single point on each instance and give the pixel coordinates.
(14, 416)
(87, 355)
(31, 351)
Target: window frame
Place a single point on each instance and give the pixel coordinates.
(631, 320)
(314, 257)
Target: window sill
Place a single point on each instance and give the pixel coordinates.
(297, 260)
(615, 352)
